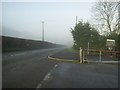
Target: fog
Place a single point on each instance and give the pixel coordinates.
(23, 19)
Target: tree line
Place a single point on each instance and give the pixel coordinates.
(84, 33)
(105, 27)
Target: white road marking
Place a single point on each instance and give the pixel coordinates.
(55, 65)
(46, 77)
(18, 54)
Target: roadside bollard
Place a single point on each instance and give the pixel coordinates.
(81, 58)
(100, 57)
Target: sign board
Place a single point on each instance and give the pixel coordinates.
(110, 44)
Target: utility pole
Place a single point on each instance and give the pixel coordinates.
(88, 47)
(42, 30)
(76, 20)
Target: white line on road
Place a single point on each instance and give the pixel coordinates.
(46, 77)
(18, 54)
(55, 66)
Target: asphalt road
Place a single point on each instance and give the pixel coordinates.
(26, 69)
(75, 75)
(32, 69)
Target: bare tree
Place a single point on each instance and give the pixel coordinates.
(118, 31)
(106, 14)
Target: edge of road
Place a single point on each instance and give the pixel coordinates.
(63, 60)
(74, 61)
(70, 60)
(47, 76)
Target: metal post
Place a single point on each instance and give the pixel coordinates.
(100, 57)
(83, 56)
(88, 48)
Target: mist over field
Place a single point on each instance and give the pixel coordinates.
(23, 20)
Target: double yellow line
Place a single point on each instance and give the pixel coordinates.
(63, 60)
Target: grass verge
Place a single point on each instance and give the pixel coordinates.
(72, 50)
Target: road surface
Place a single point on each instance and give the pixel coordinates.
(32, 69)
(26, 69)
(75, 75)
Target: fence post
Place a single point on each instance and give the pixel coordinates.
(88, 48)
(81, 58)
(100, 56)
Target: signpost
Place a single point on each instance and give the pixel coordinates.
(110, 44)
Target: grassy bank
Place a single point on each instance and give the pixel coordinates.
(17, 44)
(72, 50)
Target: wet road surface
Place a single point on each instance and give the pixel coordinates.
(32, 69)
(74, 75)
(26, 69)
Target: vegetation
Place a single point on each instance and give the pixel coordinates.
(106, 15)
(83, 33)
(17, 44)
(72, 50)
(118, 43)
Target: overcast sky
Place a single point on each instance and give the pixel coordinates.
(23, 19)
